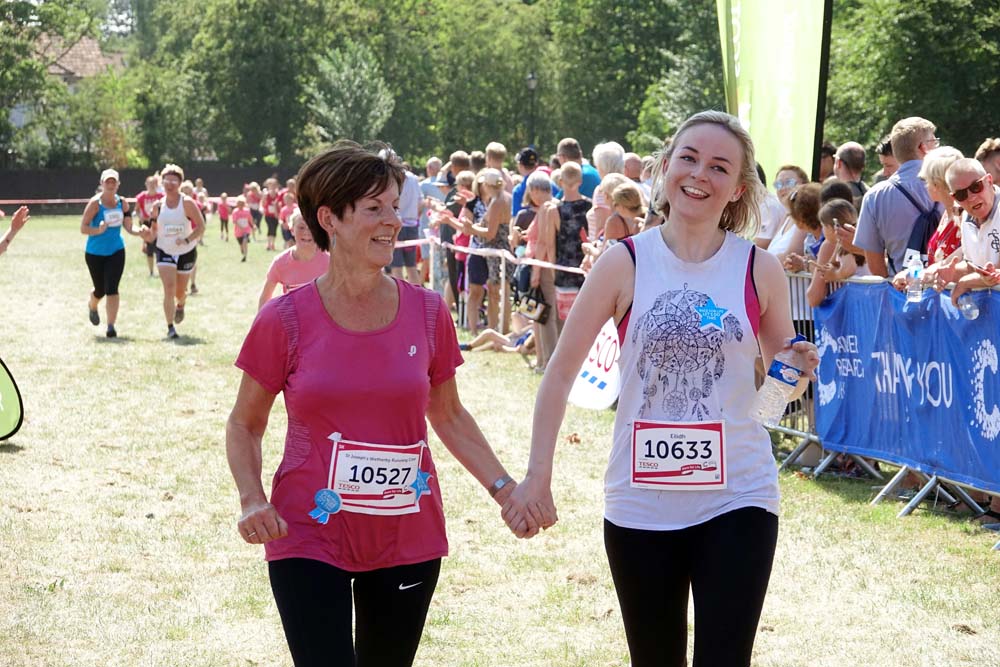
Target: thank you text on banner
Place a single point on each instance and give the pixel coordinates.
(911, 383)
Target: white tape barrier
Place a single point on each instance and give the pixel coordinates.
(490, 252)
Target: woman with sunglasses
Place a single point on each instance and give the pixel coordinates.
(177, 224)
(788, 237)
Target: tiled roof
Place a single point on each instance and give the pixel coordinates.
(83, 59)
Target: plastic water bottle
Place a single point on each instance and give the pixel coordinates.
(780, 383)
(967, 306)
(914, 280)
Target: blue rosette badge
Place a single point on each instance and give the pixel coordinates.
(327, 503)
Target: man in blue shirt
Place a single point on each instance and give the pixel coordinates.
(887, 216)
(569, 151)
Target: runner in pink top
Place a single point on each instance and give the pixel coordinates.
(224, 212)
(354, 529)
(284, 217)
(242, 225)
(144, 202)
(300, 264)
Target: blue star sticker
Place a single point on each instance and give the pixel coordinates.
(711, 314)
(420, 483)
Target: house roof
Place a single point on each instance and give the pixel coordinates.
(82, 60)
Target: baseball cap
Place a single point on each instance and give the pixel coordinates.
(109, 173)
(527, 157)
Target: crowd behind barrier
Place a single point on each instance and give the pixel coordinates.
(811, 228)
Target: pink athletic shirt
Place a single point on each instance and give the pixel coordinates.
(292, 273)
(286, 213)
(144, 201)
(370, 386)
(242, 222)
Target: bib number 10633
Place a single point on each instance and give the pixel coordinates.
(678, 456)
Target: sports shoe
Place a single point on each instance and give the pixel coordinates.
(95, 318)
(194, 289)
(171, 332)
(464, 347)
(111, 331)
(179, 314)
(244, 258)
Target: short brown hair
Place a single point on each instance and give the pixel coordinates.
(477, 161)
(907, 135)
(798, 171)
(804, 204)
(339, 177)
(570, 147)
(496, 151)
(987, 148)
(460, 160)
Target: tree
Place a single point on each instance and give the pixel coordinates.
(349, 98)
(23, 65)
(935, 58)
(692, 83)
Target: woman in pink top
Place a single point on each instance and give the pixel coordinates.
(364, 361)
(300, 264)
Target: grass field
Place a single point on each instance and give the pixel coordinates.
(117, 511)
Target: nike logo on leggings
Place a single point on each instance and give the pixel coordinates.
(403, 588)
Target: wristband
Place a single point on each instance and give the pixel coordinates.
(501, 482)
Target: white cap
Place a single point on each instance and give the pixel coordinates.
(109, 173)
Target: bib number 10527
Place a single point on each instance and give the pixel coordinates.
(678, 456)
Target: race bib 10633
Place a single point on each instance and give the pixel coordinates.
(678, 456)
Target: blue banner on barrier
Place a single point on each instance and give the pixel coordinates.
(911, 383)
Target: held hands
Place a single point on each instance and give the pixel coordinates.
(261, 524)
(529, 507)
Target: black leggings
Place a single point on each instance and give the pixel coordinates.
(106, 272)
(726, 562)
(390, 605)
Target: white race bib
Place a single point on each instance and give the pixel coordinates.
(172, 229)
(377, 479)
(113, 218)
(682, 456)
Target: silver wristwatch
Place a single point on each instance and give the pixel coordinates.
(501, 482)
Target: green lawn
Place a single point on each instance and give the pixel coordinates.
(117, 512)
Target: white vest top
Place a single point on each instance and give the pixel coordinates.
(173, 224)
(678, 364)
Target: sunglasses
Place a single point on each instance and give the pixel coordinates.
(787, 183)
(974, 188)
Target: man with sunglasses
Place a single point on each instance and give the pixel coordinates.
(973, 188)
(890, 209)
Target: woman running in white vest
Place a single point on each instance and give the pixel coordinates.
(177, 226)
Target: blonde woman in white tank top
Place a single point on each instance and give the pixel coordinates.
(177, 224)
(693, 301)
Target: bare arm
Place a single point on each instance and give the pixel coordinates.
(197, 220)
(267, 292)
(461, 435)
(247, 422)
(88, 214)
(606, 293)
(776, 318)
(17, 222)
(876, 263)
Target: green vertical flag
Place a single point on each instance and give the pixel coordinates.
(774, 58)
(11, 409)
